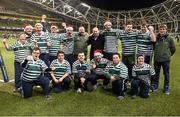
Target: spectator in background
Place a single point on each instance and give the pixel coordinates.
(96, 40)
(177, 37)
(21, 48)
(164, 48)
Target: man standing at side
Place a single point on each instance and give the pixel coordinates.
(163, 50)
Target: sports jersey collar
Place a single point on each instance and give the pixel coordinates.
(140, 66)
(118, 64)
(42, 33)
(108, 30)
(21, 43)
(60, 63)
(82, 62)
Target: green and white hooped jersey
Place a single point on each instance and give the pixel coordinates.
(144, 72)
(60, 68)
(81, 68)
(144, 44)
(41, 41)
(128, 40)
(111, 40)
(55, 44)
(21, 51)
(119, 70)
(33, 70)
(100, 66)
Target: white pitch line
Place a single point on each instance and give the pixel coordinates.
(9, 80)
(1, 81)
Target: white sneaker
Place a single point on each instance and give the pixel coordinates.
(167, 92)
(38, 86)
(95, 86)
(79, 90)
(120, 97)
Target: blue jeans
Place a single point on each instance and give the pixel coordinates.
(87, 85)
(27, 87)
(144, 89)
(18, 70)
(165, 66)
(57, 88)
(118, 87)
(45, 58)
(93, 77)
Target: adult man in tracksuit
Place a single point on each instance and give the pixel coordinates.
(164, 48)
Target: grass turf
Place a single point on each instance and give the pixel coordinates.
(96, 103)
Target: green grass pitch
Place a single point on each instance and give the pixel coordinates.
(96, 103)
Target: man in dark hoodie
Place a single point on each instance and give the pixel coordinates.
(164, 48)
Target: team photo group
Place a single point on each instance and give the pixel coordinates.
(57, 61)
